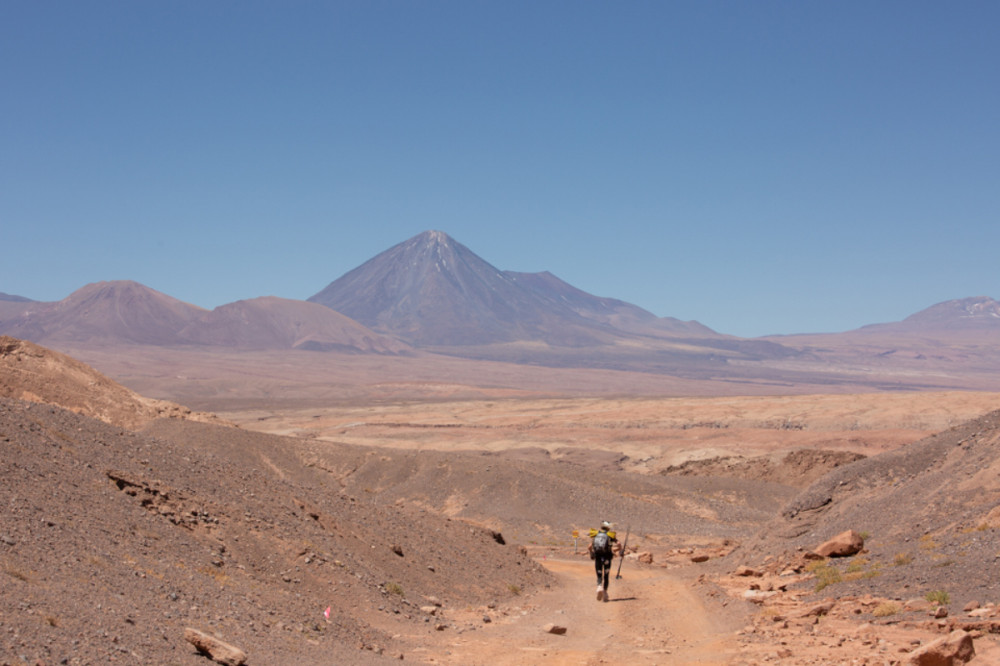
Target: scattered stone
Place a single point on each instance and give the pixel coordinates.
(398, 550)
(758, 596)
(699, 558)
(747, 571)
(971, 606)
(940, 612)
(951, 650)
(430, 610)
(645, 558)
(844, 544)
(217, 650)
(819, 609)
(554, 629)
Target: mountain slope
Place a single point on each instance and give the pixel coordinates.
(960, 317)
(120, 311)
(432, 290)
(125, 312)
(607, 311)
(278, 323)
(932, 510)
(34, 373)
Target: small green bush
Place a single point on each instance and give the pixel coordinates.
(825, 575)
(394, 588)
(937, 597)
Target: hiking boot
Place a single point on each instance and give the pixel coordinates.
(600, 593)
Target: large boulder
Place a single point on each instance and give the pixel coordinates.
(951, 650)
(844, 544)
(215, 649)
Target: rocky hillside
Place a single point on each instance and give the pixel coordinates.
(930, 512)
(31, 372)
(114, 542)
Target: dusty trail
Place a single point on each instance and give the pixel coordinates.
(653, 617)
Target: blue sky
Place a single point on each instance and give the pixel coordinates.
(761, 167)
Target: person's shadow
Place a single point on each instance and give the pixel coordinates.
(624, 599)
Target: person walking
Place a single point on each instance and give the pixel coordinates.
(602, 554)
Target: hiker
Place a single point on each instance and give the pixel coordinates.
(601, 553)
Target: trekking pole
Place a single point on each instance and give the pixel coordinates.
(628, 531)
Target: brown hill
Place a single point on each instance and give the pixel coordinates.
(977, 317)
(104, 312)
(31, 372)
(120, 313)
(930, 511)
(113, 543)
(279, 323)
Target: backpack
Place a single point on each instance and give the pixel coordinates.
(602, 543)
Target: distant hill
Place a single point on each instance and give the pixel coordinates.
(119, 311)
(278, 323)
(431, 296)
(111, 313)
(965, 316)
(15, 299)
(433, 291)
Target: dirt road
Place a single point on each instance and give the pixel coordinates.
(653, 617)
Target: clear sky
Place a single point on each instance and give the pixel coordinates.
(761, 167)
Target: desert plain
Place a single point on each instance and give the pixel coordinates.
(430, 519)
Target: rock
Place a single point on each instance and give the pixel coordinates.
(430, 610)
(844, 544)
(971, 606)
(818, 610)
(645, 557)
(992, 519)
(699, 558)
(217, 650)
(951, 650)
(758, 596)
(554, 629)
(982, 612)
(747, 571)
(940, 612)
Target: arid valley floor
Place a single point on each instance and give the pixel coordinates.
(435, 521)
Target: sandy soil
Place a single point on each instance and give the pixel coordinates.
(654, 433)
(653, 617)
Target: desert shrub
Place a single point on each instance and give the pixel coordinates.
(514, 589)
(927, 542)
(865, 535)
(886, 608)
(825, 574)
(394, 588)
(857, 565)
(937, 597)
(902, 559)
